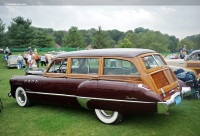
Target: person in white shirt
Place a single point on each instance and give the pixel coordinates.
(20, 61)
(43, 60)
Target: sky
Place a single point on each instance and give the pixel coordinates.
(177, 20)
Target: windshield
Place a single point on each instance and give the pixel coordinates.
(153, 61)
(58, 66)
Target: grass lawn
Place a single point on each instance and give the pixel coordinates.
(41, 119)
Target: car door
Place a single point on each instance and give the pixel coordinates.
(77, 86)
(113, 91)
(82, 81)
(53, 84)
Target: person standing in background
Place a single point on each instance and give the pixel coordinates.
(35, 51)
(28, 62)
(20, 61)
(25, 57)
(33, 62)
(43, 60)
(37, 59)
(48, 57)
(7, 50)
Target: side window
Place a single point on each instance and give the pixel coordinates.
(85, 66)
(58, 66)
(119, 67)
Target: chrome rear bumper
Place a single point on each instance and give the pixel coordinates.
(163, 107)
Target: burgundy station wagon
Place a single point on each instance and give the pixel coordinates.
(112, 82)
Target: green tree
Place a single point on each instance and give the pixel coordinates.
(20, 32)
(132, 37)
(42, 40)
(126, 43)
(58, 37)
(111, 43)
(195, 39)
(88, 35)
(141, 30)
(115, 35)
(22, 35)
(100, 40)
(42, 37)
(74, 38)
(153, 40)
(173, 43)
(2, 34)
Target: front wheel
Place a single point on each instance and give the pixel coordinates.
(108, 117)
(21, 97)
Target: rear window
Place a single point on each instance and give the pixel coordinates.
(153, 61)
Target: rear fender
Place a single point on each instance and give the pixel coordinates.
(86, 91)
(143, 93)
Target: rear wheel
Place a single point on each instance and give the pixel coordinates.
(21, 97)
(108, 117)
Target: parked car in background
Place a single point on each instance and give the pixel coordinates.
(174, 68)
(175, 62)
(173, 56)
(1, 50)
(191, 61)
(112, 82)
(12, 61)
(35, 71)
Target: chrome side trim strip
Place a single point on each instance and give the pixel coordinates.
(81, 97)
(45, 93)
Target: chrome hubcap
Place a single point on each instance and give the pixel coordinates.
(107, 113)
(21, 96)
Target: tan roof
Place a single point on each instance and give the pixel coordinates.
(116, 52)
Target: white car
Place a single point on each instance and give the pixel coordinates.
(12, 61)
(191, 61)
(176, 62)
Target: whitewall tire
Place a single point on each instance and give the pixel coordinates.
(21, 97)
(108, 117)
